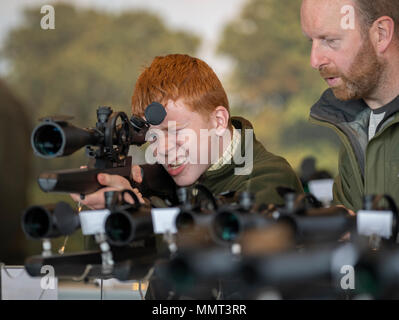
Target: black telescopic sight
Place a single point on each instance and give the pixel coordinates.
(123, 227)
(188, 220)
(107, 146)
(227, 226)
(48, 140)
(49, 221)
(127, 222)
(53, 138)
(154, 114)
(185, 220)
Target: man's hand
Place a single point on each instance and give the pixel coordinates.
(111, 183)
(352, 213)
(346, 236)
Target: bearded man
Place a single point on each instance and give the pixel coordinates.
(359, 61)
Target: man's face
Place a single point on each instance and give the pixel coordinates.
(344, 58)
(179, 145)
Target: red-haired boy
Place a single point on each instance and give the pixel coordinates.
(198, 142)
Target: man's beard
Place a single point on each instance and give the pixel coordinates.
(363, 76)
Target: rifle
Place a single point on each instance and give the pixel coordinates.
(107, 146)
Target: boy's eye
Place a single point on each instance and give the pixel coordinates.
(174, 131)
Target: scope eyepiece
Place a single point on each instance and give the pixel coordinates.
(155, 113)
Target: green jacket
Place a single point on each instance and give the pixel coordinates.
(268, 172)
(365, 167)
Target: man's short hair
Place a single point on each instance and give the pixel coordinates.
(370, 10)
(179, 76)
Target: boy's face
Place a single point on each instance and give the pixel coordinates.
(181, 142)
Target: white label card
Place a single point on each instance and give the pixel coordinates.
(322, 189)
(93, 221)
(163, 219)
(17, 284)
(375, 223)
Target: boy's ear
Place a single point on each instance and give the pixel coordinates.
(220, 119)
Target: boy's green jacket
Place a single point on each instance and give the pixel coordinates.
(266, 171)
(365, 167)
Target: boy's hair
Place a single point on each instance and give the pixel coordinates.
(179, 76)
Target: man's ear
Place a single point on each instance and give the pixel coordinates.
(382, 33)
(220, 118)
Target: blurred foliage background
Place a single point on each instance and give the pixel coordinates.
(273, 84)
(93, 58)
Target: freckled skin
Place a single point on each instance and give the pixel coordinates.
(180, 113)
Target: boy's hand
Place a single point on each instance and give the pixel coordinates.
(347, 236)
(352, 213)
(111, 183)
(136, 174)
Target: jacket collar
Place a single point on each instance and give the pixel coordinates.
(335, 111)
(240, 124)
(351, 118)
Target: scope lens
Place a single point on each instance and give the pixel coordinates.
(184, 221)
(48, 140)
(36, 222)
(117, 227)
(180, 274)
(227, 226)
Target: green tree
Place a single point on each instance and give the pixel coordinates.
(273, 83)
(91, 58)
(270, 52)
